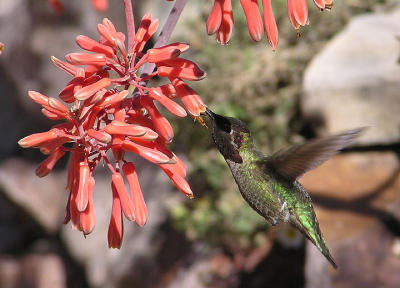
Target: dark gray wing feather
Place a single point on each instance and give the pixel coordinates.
(293, 162)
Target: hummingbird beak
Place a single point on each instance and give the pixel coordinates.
(210, 114)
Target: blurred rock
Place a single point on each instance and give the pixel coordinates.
(354, 205)
(43, 199)
(33, 270)
(137, 257)
(355, 80)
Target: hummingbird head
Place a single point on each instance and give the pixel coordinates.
(228, 135)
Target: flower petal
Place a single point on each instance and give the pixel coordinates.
(171, 106)
(87, 219)
(47, 165)
(91, 45)
(224, 32)
(253, 17)
(83, 192)
(161, 124)
(80, 58)
(116, 226)
(271, 30)
(215, 18)
(139, 204)
(126, 203)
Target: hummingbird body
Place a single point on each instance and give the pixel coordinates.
(269, 183)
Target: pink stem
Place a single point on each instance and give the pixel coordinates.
(130, 25)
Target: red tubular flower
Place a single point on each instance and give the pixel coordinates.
(220, 20)
(136, 193)
(87, 219)
(224, 32)
(215, 18)
(323, 4)
(116, 227)
(254, 22)
(99, 5)
(297, 12)
(47, 165)
(101, 113)
(271, 30)
(126, 202)
(83, 187)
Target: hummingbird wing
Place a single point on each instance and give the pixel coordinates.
(295, 161)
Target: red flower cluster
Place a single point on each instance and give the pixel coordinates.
(99, 5)
(220, 21)
(119, 114)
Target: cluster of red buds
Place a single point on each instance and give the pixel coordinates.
(118, 113)
(220, 20)
(99, 5)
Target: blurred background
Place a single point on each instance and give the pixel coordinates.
(342, 73)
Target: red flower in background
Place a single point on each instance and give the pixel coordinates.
(103, 113)
(220, 20)
(99, 5)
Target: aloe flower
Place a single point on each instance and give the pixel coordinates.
(99, 5)
(220, 20)
(101, 112)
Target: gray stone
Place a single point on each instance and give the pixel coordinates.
(44, 199)
(32, 270)
(356, 198)
(355, 80)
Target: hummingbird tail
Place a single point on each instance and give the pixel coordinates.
(328, 256)
(309, 226)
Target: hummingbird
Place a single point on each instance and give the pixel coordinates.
(269, 184)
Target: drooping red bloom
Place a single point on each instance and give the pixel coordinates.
(103, 112)
(220, 20)
(99, 5)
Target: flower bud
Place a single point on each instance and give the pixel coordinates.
(91, 45)
(126, 203)
(171, 106)
(56, 104)
(106, 33)
(271, 30)
(47, 165)
(86, 59)
(224, 32)
(178, 180)
(116, 226)
(87, 219)
(161, 54)
(139, 204)
(189, 98)
(184, 73)
(149, 154)
(113, 99)
(253, 17)
(37, 139)
(215, 18)
(83, 192)
(67, 67)
(88, 91)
